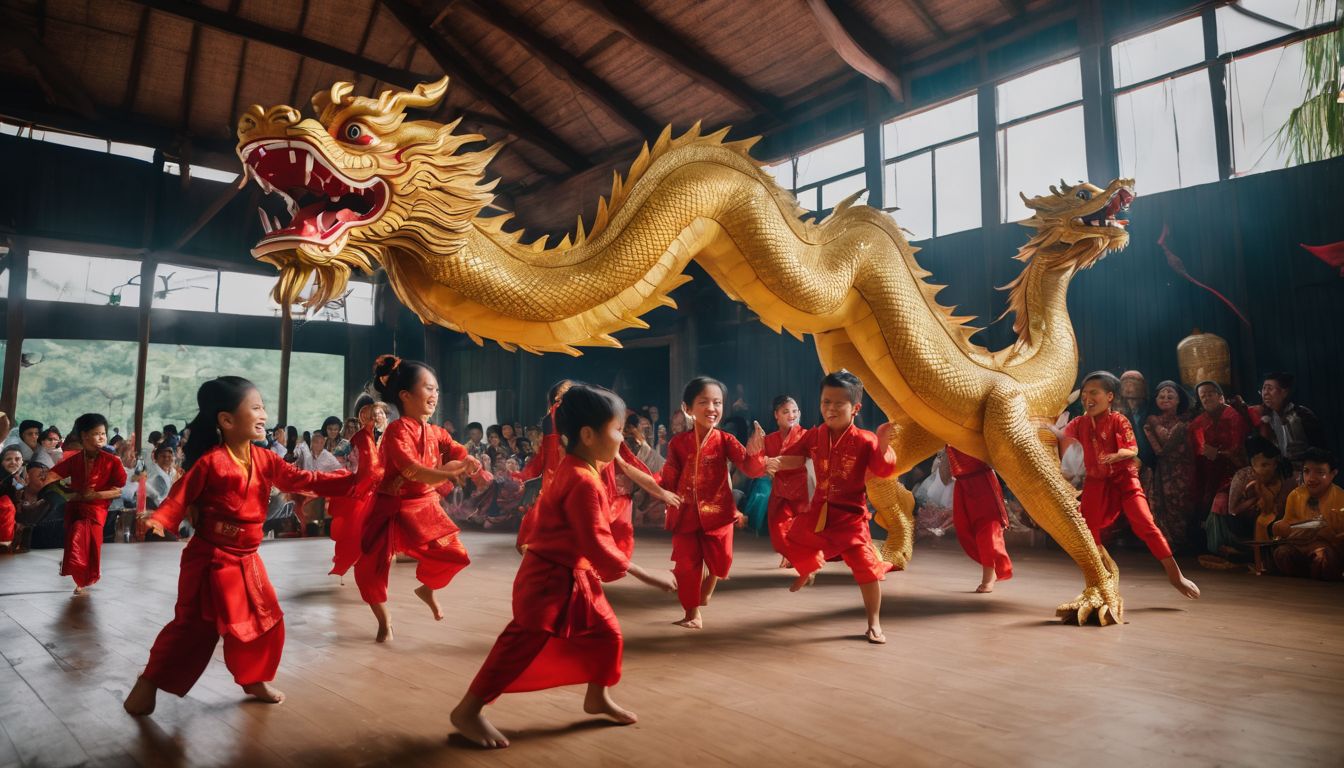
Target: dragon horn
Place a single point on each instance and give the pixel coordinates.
(322, 100)
(423, 95)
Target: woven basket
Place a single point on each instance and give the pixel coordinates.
(1204, 357)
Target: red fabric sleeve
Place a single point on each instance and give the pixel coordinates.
(537, 465)
(878, 463)
(184, 493)
(63, 467)
(588, 517)
(751, 464)
(117, 477)
(450, 449)
(672, 467)
(290, 480)
(802, 446)
(1196, 433)
(400, 449)
(630, 458)
(1124, 434)
(1071, 429)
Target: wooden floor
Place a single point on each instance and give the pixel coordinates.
(1253, 674)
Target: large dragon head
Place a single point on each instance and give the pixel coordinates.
(354, 181)
(1084, 218)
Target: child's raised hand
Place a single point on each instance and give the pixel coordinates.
(756, 443)
(884, 434)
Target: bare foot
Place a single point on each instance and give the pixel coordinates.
(598, 702)
(426, 594)
(384, 622)
(264, 692)
(1186, 587)
(985, 587)
(875, 636)
(691, 621)
(784, 563)
(475, 728)
(803, 581)
(142, 698)
(80, 591)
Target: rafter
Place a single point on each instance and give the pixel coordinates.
(1014, 7)
(853, 38)
(137, 61)
(927, 18)
(548, 50)
(188, 72)
(636, 23)
(456, 66)
(298, 71)
(63, 87)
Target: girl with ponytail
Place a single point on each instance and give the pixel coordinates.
(223, 589)
(564, 632)
(418, 459)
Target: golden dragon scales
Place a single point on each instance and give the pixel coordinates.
(365, 187)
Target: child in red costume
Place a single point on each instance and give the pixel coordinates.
(96, 477)
(1112, 484)
(348, 513)
(788, 489)
(564, 631)
(979, 515)
(697, 471)
(223, 588)
(549, 455)
(836, 522)
(419, 460)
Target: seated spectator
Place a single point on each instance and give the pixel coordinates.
(1218, 437)
(475, 434)
(1255, 499)
(1313, 550)
(51, 442)
(160, 476)
(11, 472)
(1171, 482)
(41, 508)
(637, 440)
(277, 443)
(1294, 428)
(495, 447)
(30, 435)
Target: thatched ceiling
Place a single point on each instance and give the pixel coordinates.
(575, 85)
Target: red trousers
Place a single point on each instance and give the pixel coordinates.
(862, 559)
(83, 548)
(347, 526)
(694, 551)
(1104, 499)
(563, 632)
(7, 517)
(437, 560)
(779, 515)
(185, 645)
(978, 515)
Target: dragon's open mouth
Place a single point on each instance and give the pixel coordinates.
(1105, 215)
(321, 202)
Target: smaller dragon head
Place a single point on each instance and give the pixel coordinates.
(1084, 218)
(353, 181)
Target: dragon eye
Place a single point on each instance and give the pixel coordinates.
(1083, 194)
(354, 132)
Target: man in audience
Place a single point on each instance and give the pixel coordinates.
(475, 436)
(159, 477)
(637, 439)
(1217, 436)
(29, 436)
(41, 501)
(1313, 522)
(1294, 428)
(51, 442)
(276, 443)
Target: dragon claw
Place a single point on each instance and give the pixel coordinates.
(1104, 602)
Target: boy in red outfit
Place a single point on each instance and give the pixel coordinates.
(836, 523)
(979, 515)
(1112, 484)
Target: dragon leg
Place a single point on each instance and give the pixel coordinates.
(1033, 474)
(894, 503)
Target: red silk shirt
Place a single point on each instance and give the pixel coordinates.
(573, 526)
(698, 473)
(843, 464)
(788, 484)
(103, 473)
(1106, 434)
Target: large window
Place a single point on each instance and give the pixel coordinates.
(194, 289)
(83, 279)
(1263, 90)
(1040, 134)
(482, 408)
(824, 176)
(63, 378)
(931, 169)
(187, 288)
(1164, 125)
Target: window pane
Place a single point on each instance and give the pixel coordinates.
(958, 189)
(830, 160)
(481, 408)
(1153, 123)
(910, 191)
(1263, 90)
(354, 306)
(246, 294)
(1158, 53)
(833, 193)
(67, 377)
(949, 121)
(1237, 30)
(783, 173)
(1038, 153)
(4, 283)
(83, 279)
(188, 288)
(1040, 90)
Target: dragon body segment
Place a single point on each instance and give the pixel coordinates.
(406, 196)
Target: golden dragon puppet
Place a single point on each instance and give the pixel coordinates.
(367, 188)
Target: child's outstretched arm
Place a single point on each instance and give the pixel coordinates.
(656, 580)
(645, 480)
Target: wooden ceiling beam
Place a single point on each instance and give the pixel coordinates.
(638, 25)
(298, 71)
(854, 40)
(1014, 7)
(456, 65)
(137, 61)
(188, 73)
(552, 53)
(926, 18)
(61, 84)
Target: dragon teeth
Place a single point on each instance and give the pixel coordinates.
(265, 221)
(307, 167)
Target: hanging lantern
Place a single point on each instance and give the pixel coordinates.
(1204, 357)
